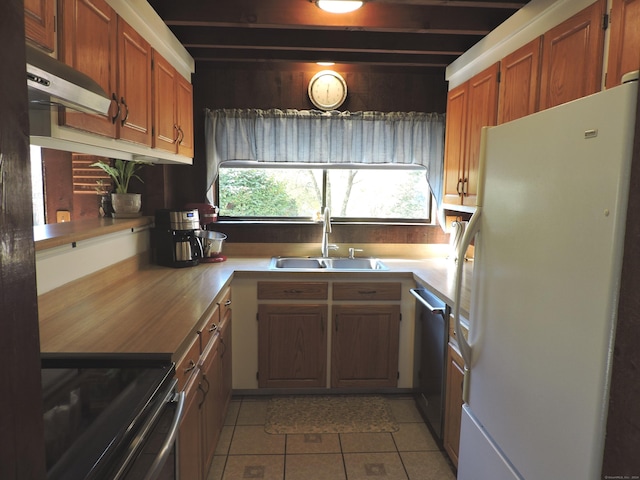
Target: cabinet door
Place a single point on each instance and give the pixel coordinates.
(454, 146)
(39, 23)
(134, 85)
(212, 403)
(518, 90)
(364, 345)
(483, 111)
(184, 116)
(572, 57)
(164, 103)
(88, 43)
(190, 433)
(624, 49)
(453, 408)
(225, 358)
(292, 345)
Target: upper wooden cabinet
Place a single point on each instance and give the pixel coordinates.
(39, 23)
(470, 107)
(173, 109)
(95, 41)
(624, 49)
(572, 57)
(519, 74)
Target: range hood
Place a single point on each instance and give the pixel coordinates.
(52, 82)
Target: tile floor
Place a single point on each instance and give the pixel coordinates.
(246, 451)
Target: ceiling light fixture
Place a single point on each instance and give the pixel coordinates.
(339, 6)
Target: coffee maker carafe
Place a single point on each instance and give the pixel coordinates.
(176, 244)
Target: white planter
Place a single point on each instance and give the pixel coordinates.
(126, 202)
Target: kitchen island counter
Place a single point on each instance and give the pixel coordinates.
(154, 309)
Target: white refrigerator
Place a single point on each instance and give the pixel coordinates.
(549, 230)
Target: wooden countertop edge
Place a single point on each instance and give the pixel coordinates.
(57, 234)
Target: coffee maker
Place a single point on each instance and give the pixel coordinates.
(176, 244)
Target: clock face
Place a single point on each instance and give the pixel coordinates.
(327, 90)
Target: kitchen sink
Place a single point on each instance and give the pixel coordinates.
(327, 264)
(297, 262)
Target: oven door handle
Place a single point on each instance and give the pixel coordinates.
(431, 308)
(164, 452)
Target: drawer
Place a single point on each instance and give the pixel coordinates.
(209, 328)
(367, 291)
(225, 304)
(188, 364)
(293, 290)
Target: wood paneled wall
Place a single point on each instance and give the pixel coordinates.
(280, 85)
(22, 453)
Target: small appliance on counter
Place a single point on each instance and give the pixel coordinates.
(176, 244)
(208, 214)
(211, 246)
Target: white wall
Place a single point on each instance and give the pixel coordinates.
(59, 265)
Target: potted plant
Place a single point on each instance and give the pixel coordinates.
(121, 172)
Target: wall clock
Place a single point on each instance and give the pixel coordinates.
(327, 90)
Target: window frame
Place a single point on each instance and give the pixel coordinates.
(324, 167)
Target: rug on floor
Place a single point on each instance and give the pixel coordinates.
(329, 414)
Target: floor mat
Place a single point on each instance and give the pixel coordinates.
(329, 414)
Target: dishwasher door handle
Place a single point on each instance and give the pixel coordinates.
(431, 308)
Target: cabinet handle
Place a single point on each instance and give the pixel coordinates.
(464, 187)
(367, 292)
(115, 99)
(204, 395)
(175, 127)
(126, 115)
(227, 303)
(294, 291)
(458, 186)
(180, 135)
(191, 366)
(213, 328)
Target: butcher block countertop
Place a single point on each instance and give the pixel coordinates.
(143, 308)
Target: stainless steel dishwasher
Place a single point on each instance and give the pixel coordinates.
(432, 331)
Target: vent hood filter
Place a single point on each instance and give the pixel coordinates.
(52, 82)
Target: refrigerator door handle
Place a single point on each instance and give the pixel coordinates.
(472, 229)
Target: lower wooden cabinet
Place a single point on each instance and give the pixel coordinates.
(364, 345)
(190, 433)
(292, 345)
(204, 373)
(453, 407)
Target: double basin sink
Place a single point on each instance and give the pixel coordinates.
(328, 264)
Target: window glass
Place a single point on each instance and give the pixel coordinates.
(364, 194)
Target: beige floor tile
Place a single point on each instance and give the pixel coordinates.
(404, 410)
(382, 466)
(263, 467)
(253, 412)
(427, 466)
(367, 442)
(414, 437)
(222, 448)
(217, 468)
(314, 467)
(313, 443)
(232, 412)
(253, 440)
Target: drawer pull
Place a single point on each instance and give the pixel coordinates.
(293, 291)
(191, 366)
(213, 328)
(367, 292)
(227, 303)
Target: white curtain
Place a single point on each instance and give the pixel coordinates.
(310, 136)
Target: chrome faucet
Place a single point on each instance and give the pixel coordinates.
(326, 230)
